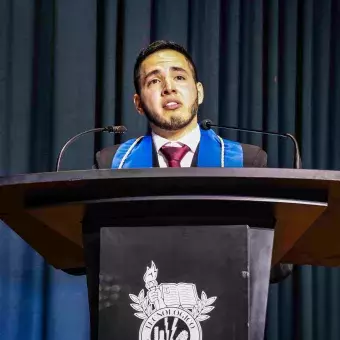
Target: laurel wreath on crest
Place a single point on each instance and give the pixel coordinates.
(141, 305)
(199, 311)
(203, 307)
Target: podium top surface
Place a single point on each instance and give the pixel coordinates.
(46, 209)
(256, 173)
(301, 184)
(52, 188)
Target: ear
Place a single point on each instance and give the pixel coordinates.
(200, 92)
(137, 101)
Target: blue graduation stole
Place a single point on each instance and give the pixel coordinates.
(213, 152)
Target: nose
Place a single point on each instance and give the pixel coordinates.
(168, 87)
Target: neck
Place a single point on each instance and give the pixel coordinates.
(176, 134)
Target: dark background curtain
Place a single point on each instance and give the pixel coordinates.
(67, 66)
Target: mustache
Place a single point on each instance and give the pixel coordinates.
(172, 123)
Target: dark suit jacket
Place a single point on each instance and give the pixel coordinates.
(253, 156)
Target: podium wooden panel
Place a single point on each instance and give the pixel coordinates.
(46, 209)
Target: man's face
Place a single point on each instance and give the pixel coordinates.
(169, 96)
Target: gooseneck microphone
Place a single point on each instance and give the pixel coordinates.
(110, 129)
(206, 124)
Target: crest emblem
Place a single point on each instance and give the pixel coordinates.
(170, 311)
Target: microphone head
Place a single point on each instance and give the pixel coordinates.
(116, 129)
(206, 124)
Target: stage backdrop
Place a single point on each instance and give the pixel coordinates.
(66, 66)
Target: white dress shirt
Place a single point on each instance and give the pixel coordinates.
(191, 140)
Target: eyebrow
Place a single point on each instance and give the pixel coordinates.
(172, 68)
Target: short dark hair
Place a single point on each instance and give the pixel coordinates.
(157, 46)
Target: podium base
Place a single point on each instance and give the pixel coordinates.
(198, 281)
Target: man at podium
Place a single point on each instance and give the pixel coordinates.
(168, 94)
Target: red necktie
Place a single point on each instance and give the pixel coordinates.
(174, 155)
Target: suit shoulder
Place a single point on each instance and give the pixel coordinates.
(254, 156)
(104, 157)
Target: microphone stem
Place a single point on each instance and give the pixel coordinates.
(250, 130)
(297, 157)
(71, 140)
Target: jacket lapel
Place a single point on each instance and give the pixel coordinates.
(155, 162)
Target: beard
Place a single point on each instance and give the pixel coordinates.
(172, 123)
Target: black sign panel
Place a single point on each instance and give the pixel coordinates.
(174, 283)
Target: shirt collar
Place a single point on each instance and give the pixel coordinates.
(191, 139)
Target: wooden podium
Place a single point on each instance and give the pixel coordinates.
(188, 224)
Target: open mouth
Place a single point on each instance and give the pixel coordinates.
(172, 105)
